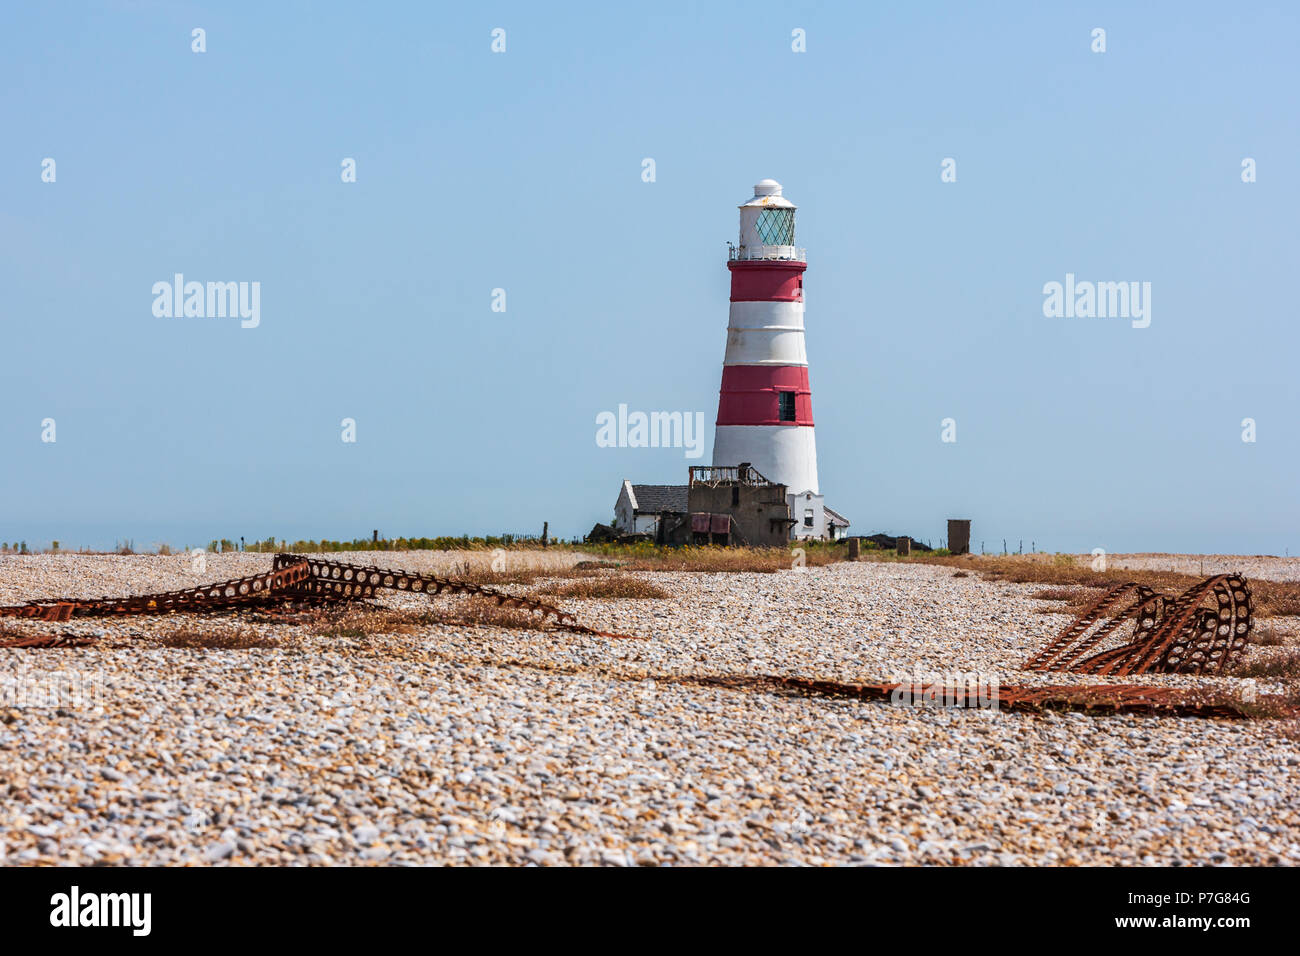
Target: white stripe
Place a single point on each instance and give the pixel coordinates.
(781, 453)
(758, 315)
(765, 347)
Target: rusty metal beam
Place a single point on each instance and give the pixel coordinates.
(1170, 635)
(294, 578)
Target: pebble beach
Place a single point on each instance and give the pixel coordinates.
(460, 744)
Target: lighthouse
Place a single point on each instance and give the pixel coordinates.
(764, 410)
(765, 404)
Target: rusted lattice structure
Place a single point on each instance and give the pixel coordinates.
(297, 579)
(1199, 632)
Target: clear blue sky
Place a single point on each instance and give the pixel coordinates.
(522, 171)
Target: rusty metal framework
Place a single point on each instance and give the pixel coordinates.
(1096, 699)
(1202, 631)
(48, 640)
(298, 579)
(1169, 635)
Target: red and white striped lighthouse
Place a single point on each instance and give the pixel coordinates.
(765, 406)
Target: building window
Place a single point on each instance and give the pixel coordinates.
(807, 517)
(787, 406)
(735, 496)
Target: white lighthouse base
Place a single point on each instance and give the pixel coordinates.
(781, 453)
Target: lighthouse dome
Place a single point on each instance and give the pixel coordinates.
(767, 193)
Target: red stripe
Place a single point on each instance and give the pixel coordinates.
(749, 394)
(766, 280)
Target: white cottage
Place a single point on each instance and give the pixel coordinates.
(640, 507)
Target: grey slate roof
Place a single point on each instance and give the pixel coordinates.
(836, 517)
(653, 499)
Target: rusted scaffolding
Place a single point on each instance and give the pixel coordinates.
(293, 578)
(1199, 632)
(1202, 631)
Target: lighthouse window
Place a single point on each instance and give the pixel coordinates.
(776, 227)
(787, 406)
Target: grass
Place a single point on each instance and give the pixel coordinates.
(367, 621)
(1280, 598)
(474, 611)
(1272, 598)
(486, 577)
(1268, 636)
(709, 558)
(608, 587)
(1055, 594)
(1284, 666)
(217, 640)
(1075, 599)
